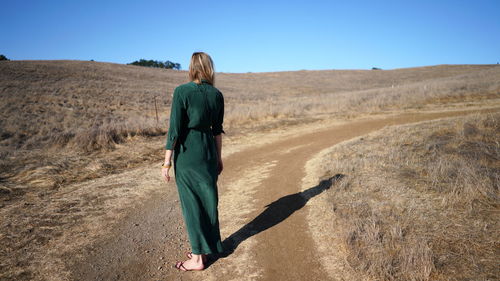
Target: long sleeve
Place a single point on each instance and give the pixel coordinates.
(176, 120)
(219, 119)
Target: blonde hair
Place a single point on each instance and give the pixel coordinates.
(201, 67)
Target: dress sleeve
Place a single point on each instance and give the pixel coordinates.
(219, 119)
(176, 119)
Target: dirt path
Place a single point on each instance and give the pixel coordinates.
(262, 216)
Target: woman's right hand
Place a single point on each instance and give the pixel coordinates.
(220, 166)
(165, 174)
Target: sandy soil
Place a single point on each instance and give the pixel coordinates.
(265, 193)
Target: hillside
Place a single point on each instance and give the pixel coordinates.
(94, 104)
(60, 114)
(82, 198)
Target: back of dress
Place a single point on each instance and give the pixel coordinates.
(205, 107)
(195, 106)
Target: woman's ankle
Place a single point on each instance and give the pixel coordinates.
(198, 258)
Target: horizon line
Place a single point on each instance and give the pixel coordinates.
(257, 72)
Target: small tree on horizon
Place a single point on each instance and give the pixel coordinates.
(154, 63)
(2, 57)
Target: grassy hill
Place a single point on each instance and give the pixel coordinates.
(92, 105)
(65, 122)
(61, 114)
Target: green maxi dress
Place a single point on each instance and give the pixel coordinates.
(196, 117)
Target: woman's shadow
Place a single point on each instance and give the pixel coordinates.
(275, 213)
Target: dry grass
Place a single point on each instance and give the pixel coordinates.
(421, 202)
(91, 105)
(68, 121)
(313, 93)
(65, 122)
(88, 104)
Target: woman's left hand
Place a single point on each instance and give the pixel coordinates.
(165, 174)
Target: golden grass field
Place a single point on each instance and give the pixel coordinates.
(419, 201)
(67, 122)
(78, 108)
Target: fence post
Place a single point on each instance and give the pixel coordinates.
(156, 110)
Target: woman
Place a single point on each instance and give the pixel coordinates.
(195, 139)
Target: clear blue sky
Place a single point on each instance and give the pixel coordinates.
(256, 36)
